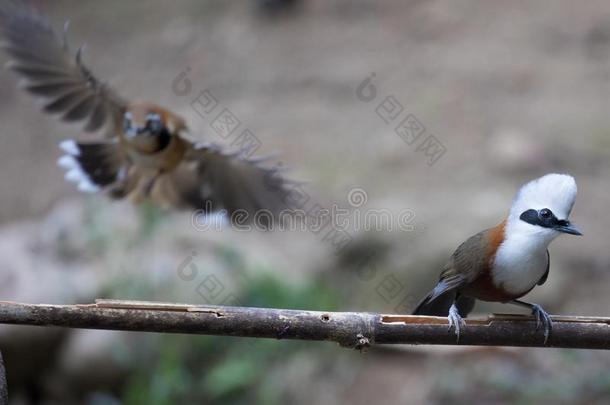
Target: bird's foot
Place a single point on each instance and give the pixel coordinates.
(542, 319)
(455, 320)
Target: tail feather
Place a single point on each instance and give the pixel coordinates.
(439, 305)
(92, 166)
(435, 306)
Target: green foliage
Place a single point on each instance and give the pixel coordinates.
(151, 216)
(198, 369)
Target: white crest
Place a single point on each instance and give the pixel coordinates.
(556, 192)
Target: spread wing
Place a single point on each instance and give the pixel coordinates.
(58, 77)
(207, 179)
(211, 179)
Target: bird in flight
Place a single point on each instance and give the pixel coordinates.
(144, 155)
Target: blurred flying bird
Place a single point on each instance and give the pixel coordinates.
(506, 262)
(144, 155)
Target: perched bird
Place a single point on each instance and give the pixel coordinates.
(144, 155)
(506, 262)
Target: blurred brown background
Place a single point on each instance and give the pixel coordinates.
(512, 90)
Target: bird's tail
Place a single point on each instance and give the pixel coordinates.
(439, 305)
(435, 306)
(92, 166)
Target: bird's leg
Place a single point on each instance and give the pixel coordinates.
(455, 320)
(542, 317)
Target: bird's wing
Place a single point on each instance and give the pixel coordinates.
(469, 259)
(210, 179)
(463, 267)
(55, 75)
(96, 166)
(447, 283)
(548, 267)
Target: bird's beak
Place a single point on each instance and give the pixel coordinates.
(566, 227)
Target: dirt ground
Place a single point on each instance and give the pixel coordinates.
(509, 90)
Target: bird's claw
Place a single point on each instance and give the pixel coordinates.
(455, 321)
(542, 319)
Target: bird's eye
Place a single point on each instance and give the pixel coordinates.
(545, 213)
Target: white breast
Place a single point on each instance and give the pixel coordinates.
(519, 264)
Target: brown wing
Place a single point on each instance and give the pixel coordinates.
(469, 260)
(211, 179)
(56, 76)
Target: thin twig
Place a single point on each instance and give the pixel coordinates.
(349, 329)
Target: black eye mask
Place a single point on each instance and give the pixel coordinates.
(546, 219)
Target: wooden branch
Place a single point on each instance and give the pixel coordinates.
(349, 329)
